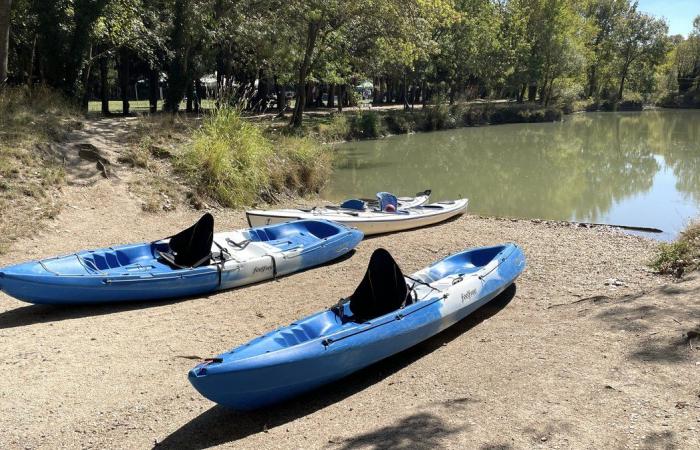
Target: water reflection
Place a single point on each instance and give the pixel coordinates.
(633, 168)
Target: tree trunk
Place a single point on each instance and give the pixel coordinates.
(592, 81)
(622, 82)
(341, 98)
(153, 81)
(85, 101)
(404, 93)
(319, 96)
(190, 94)
(197, 95)
(124, 79)
(331, 96)
(30, 77)
(311, 36)
(281, 96)
(178, 73)
(4, 37)
(532, 93)
(104, 86)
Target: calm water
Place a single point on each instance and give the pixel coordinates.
(638, 169)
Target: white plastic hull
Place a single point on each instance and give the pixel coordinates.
(370, 222)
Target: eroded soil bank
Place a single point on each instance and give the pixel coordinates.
(590, 350)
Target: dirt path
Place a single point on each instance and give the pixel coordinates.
(565, 360)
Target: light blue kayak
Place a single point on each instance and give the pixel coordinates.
(387, 314)
(193, 262)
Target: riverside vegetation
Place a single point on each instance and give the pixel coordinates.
(680, 256)
(323, 54)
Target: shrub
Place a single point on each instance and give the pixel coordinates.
(437, 118)
(366, 125)
(680, 256)
(400, 122)
(232, 162)
(336, 129)
(228, 159)
(300, 165)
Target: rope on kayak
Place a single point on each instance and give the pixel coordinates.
(411, 289)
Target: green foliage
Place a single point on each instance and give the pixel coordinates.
(231, 161)
(337, 128)
(366, 125)
(400, 122)
(680, 256)
(228, 160)
(300, 166)
(437, 117)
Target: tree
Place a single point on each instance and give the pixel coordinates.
(399, 29)
(641, 39)
(5, 6)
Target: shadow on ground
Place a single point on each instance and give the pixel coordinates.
(219, 425)
(666, 320)
(417, 431)
(33, 314)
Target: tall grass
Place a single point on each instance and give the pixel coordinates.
(300, 166)
(231, 161)
(228, 159)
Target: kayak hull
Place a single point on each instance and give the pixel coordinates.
(371, 222)
(249, 382)
(135, 272)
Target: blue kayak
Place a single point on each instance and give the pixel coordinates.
(388, 313)
(193, 262)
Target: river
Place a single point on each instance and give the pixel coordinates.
(638, 169)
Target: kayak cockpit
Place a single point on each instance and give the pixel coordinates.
(463, 263)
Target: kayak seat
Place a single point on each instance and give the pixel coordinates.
(192, 247)
(387, 202)
(354, 203)
(382, 290)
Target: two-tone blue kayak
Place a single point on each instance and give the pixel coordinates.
(193, 262)
(387, 314)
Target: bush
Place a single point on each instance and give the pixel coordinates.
(680, 256)
(437, 118)
(400, 122)
(336, 129)
(228, 159)
(301, 165)
(232, 162)
(366, 125)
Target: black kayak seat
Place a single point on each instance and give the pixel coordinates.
(354, 203)
(382, 290)
(192, 247)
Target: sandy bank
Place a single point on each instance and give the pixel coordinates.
(565, 360)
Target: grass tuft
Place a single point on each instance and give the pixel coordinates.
(231, 161)
(680, 256)
(228, 159)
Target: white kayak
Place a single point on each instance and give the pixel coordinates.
(368, 221)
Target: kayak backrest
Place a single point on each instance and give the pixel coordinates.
(192, 246)
(354, 203)
(387, 201)
(381, 291)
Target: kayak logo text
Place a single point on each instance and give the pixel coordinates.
(468, 295)
(262, 269)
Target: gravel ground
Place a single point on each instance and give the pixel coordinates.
(589, 350)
